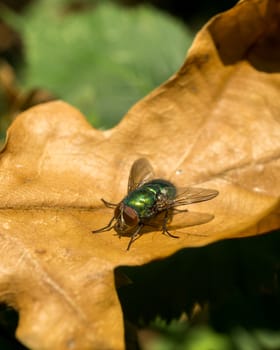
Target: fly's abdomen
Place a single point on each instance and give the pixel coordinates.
(144, 199)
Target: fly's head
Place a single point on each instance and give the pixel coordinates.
(126, 218)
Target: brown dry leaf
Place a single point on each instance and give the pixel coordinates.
(214, 124)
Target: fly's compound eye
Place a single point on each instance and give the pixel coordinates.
(130, 216)
(127, 215)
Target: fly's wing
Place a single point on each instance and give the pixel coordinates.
(177, 220)
(140, 173)
(189, 195)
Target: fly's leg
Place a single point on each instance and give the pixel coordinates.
(134, 236)
(108, 204)
(105, 228)
(164, 228)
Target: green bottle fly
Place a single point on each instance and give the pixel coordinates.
(147, 198)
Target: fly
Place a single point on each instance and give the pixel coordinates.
(148, 198)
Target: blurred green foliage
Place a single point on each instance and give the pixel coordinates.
(198, 338)
(206, 338)
(102, 59)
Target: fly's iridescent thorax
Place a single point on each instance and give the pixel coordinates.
(145, 199)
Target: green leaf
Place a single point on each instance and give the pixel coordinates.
(102, 60)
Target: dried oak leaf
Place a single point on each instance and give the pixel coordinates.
(214, 124)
